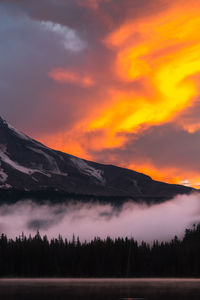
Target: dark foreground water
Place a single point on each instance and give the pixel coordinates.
(100, 289)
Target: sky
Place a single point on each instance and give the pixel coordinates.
(113, 81)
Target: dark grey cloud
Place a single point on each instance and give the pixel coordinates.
(77, 14)
(28, 51)
(189, 117)
(164, 146)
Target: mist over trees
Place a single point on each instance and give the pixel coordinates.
(122, 257)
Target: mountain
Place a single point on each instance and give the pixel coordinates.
(28, 167)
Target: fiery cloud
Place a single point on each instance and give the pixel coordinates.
(168, 174)
(106, 73)
(163, 53)
(65, 76)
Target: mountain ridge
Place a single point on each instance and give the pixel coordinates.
(26, 165)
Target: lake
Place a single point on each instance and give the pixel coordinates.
(99, 289)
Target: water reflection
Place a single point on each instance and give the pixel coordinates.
(94, 289)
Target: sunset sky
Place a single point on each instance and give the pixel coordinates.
(113, 81)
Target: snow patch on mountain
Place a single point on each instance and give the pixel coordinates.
(88, 170)
(18, 133)
(6, 159)
(52, 162)
(5, 186)
(22, 136)
(137, 186)
(3, 176)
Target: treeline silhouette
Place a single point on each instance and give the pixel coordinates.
(122, 257)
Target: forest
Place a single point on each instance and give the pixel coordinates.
(38, 256)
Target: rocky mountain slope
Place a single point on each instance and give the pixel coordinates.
(28, 166)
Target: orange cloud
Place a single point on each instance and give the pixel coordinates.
(161, 51)
(64, 76)
(169, 175)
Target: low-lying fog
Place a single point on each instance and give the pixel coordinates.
(142, 222)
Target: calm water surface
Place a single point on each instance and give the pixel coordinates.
(100, 289)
